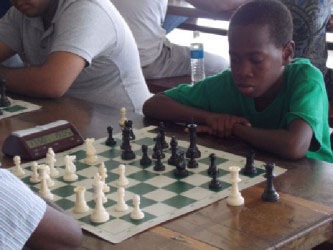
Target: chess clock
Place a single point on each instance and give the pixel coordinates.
(33, 143)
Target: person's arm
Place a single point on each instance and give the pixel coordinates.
(5, 52)
(51, 79)
(217, 5)
(292, 143)
(56, 230)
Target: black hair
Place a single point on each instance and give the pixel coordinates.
(272, 13)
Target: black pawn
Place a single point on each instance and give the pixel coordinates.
(212, 165)
(161, 129)
(159, 165)
(193, 146)
(129, 125)
(181, 170)
(127, 153)
(110, 141)
(174, 148)
(145, 160)
(192, 163)
(4, 101)
(214, 183)
(249, 168)
(158, 147)
(269, 193)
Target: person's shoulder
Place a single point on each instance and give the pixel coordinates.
(302, 65)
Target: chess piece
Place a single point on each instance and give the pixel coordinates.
(50, 182)
(122, 117)
(80, 202)
(44, 189)
(214, 183)
(34, 176)
(110, 141)
(235, 198)
(270, 193)
(91, 157)
(50, 161)
(161, 131)
(158, 147)
(249, 168)
(158, 164)
(19, 172)
(129, 125)
(137, 213)
(192, 163)
(70, 168)
(121, 205)
(102, 171)
(127, 153)
(99, 214)
(4, 101)
(181, 170)
(122, 181)
(193, 146)
(174, 148)
(212, 165)
(145, 160)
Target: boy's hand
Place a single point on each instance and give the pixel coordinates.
(221, 125)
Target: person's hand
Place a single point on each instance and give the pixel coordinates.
(221, 124)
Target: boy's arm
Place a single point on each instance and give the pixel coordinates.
(51, 79)
(292, 143)
(5, 52)
(217, 5)
(56, 230)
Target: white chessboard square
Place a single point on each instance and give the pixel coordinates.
(197, 193)
(159, 209)
(118, 226)
(160, 181)
(197, 179)
(160, 195)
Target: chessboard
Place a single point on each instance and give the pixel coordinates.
(17, 107)
(162, 195)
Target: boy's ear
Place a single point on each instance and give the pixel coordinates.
(288, 52)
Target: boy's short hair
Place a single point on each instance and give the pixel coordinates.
(266, 12)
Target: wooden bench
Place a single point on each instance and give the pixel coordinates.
(160, 85)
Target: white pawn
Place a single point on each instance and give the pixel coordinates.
(80, 202)
(70, 168)
(34, 176)
(121, 204)
(97, 180)
(137, 214)
(50, 161)
(103, 173)
(50, 182)
(99, 214)
(235, 198)
(44, 189)
(18, 169)
(91, 157)
(123, 117)
(122, 181)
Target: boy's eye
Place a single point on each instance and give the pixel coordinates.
(257, 60)
(234, 60)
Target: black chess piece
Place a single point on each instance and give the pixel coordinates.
(127, 153)
(212, 165)
(158, 146)
(192, 163)
(214, 183)
(193, 146)
(161, 129)
(158, 164)
(181, 170)
(249, 168)
(270, 193)
(110, 141)
(129, 125)
(174, 148)
(145, 160)
(4, 101)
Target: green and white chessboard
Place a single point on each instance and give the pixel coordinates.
(17, 107)
(163, 197)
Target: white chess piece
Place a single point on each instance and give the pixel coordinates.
(44, 189)
(50, 161)
(137, 214)
(91, 157)
(122, 181)
(80, 202)
(70, 168)
(235, 198)
(34, 176)
(103, 173)
(50, 182)
(121, 205)
(123, 117)
(99, 214)
(18, 169)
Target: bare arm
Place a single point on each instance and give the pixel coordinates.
(292, 143)
(5, 52)
(51, 79)
(56, 230)
(217, 5)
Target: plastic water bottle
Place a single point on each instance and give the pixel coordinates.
(197, 58)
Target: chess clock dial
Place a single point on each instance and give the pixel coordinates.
(33, 143)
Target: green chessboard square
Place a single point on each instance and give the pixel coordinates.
(128, 218)
(179, 201)
(172, 175)
(142, 175)
(87, 220)
(225, 185)
(111, 153)
(145, 202)
(179, 187)
(111, 164)
(111, 177)
(145, 141)
(221, 172)
(108, 203)
(141, 188)
(26, 180)
(65, 204)
(80, 154)
(259, 172)
(14, 108)
(64, 191)
(218, 160)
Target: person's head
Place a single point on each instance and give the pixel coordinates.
(31, 8)
(260, 45)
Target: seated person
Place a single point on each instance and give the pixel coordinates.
(27, 220)
(266, 99)
(159, 57)
(78, 48)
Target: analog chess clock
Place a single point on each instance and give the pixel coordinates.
(33, 143)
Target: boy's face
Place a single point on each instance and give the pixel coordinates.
(31, 8)
(256, 63)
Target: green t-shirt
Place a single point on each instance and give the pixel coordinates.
(303, 95)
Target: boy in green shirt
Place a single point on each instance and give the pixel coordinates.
(267, 99)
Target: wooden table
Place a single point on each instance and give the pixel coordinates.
(301, 218)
